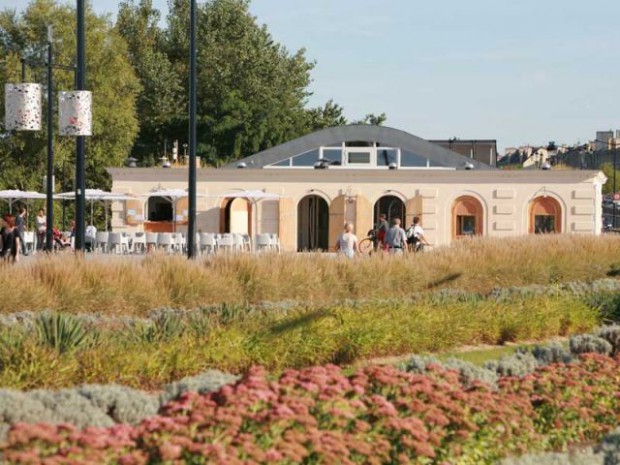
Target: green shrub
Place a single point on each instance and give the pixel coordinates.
(518, 364)
(60, 331)
(612, 335)
(553, 352)
(588, 343)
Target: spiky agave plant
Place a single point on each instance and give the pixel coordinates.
(60, 331)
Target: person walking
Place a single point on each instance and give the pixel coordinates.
(415, 235)
(380, 231)
(347, 243)
(396, 238)
(10, 239)
(41, 225)
(20, 228)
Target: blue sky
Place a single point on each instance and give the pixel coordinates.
(519, 71)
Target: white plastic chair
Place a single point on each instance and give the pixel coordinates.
(101, 241)
(238, 242)
(116, 243)
(275, 242)
(126, 241)
(178, 242)
(151, 240)
(29, 238)
(225, 242)
(263, 242)
(207, 243)
(165, 241)
(138, 243)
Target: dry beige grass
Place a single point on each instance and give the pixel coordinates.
(133, 286)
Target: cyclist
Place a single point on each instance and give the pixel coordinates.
(415, 236)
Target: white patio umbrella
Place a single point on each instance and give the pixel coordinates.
(97, 195)
(254, 196)
(14, 195)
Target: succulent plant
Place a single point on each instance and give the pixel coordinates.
(587, 343)
(551, 353)
(209, 381)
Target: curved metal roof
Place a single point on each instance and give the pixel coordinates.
(359, 132)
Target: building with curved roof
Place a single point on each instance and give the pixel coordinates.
(305, 189)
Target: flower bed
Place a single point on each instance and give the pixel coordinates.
(375, 415)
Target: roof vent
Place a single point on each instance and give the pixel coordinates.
(393, 166)
(242, 165)
(469, 166)
(322, 164)
(545, 166)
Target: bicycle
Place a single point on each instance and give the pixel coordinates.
(368, 245)
(419, 247)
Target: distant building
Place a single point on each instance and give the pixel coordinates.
(602, 140)
(482, 150)
(537, 157)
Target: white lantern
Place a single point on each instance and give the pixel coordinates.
(74, 113)
(22, 107)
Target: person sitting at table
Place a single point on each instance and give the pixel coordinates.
(60, 241)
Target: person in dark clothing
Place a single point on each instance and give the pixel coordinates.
(20, 228)
(10, 242)
(381, 229)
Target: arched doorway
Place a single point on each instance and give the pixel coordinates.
(312, 223)
(467, 217)
(160, 209)
(392, 207)
(236, 216)
(545, 216)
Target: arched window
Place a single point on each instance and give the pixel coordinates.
(467, 217)
(545, 216)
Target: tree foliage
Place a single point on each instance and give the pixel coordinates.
(162, 100)
(252, 92)
(109, 76)
(608, 170)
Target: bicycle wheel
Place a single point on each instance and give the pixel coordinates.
(366, 246)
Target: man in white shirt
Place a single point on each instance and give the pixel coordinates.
(417, 240)
(91, 234)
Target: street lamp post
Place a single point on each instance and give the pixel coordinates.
(80, 184)
(29, 108)
(614, 194)
(191, 223)
(49, 201)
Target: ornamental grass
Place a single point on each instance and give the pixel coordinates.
(146, 353)
(137, 285)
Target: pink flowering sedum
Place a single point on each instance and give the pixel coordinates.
(377, 415)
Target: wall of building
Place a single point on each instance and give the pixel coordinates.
(505, 203)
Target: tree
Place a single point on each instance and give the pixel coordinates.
(372, 119)
(162, 101)
(608, 170)
(109, 76)
(329, 115)
(251, 90)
